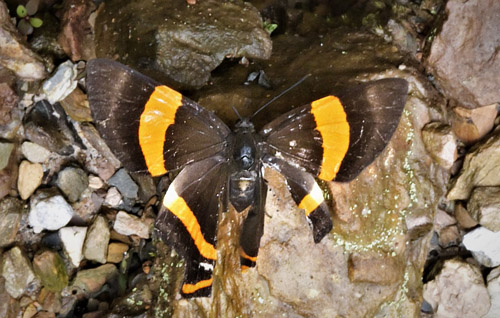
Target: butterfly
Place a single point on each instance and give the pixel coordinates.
(154, 129)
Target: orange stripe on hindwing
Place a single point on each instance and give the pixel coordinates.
(158, 115)
(248, 257)
(331, 122)
(191, 288)
(312, 200)
(178, 207)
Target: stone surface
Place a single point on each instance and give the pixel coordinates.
(72, 182)
(10, 114)
(76, 105)
(16, 269)
(113, 198)
(115, 252)
(457, 291)
(481, 168)
(88, 206)
(190, 41)
(49, 212)
(484, 207)
(72, 239)
(11, 210)
(441, 143)
(34, 152)
(128, 224)
(470, 125)
(14, 53)
(29, 179)
(493, 285)
(374, 269)
(463, 217)
(484, 245)
(50, 269)
(464, 56)
(124, 183)
(5, 153)
(90, 281)
(96, 243)
(61, 83)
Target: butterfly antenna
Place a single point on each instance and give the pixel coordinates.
(280, 94)
(237, 114)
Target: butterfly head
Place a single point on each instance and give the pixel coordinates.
(244, 125)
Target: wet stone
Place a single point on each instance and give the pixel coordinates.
(29, 179)
(16, 269)
(481, 168)
(128, 224)
(90, 281)
(72, 239)
(49, 212)
(5, 153)
(484, 246)
(484, 207)
(374, 269)
(34, 152)
(470, 125)
(124, 183)
(458, 291)
(96, 243)
(493, 285)
(10, 220)
(61, 83)
(50, 269)
(116, 251)
(441, 143)
(72, 182)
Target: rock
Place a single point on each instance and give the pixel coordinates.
(90, 281)
(76, 105)
(484, 207)
(127, 224)
(47, 125)
(124, 183)
(50, 269)
(458, 291)
(5, 153)
(10, 114)
(470, 125)
(11, 210)
(30, 178)
(481, 168)
(62, 83)
(463, 57)
(493, 284)
(96, 244)
(113, 198)
(16, 269)
(449, 236)
(137, 301)
(72, 182)
(190, 41)
(9, 307)
(443, 220)
(441, 143)
(34, 152)
(376, 269)
(14, 53)
(116, 251)
(89, 205)
(95, 182)
(484, 246)
(463, 217)
(418, 224)
(72, 239)
(49, 212)
(76, 36)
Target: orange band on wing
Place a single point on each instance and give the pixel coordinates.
(191, 288)
(180, 209)
(158, 115)
(312, 200)
(248, 257)
(331, 122)
(244, 268)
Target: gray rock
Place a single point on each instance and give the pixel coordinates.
(96, 243)
(481, 168)
(493, 284)
(29, 179)
(34, 152)
(441, 143)
(61, 83)
(9, 307)
(14, 54)
(49, 212)
(128, 224)
(11, 210)
(484, 246)
(50, 269)
(5, 152)
(458, 291)
(72, 182)
(124, 183)
(90, 281)
(16, 269)
(464, 57)
(72, 239)
(484, 207)
(190, 41)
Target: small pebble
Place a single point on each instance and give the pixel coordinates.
(34, 152)
(127, 224)
(49, 212)
(5, 152)
(96, 244)
(116, 251)
(72, 239)
(29, 179)
(72, 182)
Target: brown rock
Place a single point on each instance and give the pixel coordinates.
(76, 105)
(376, 269)
(463, 217)
(464, 56)
(116, 251)
(30, 177)
(470, 125)
(449, 236)
(441, 143)
(484, 207)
